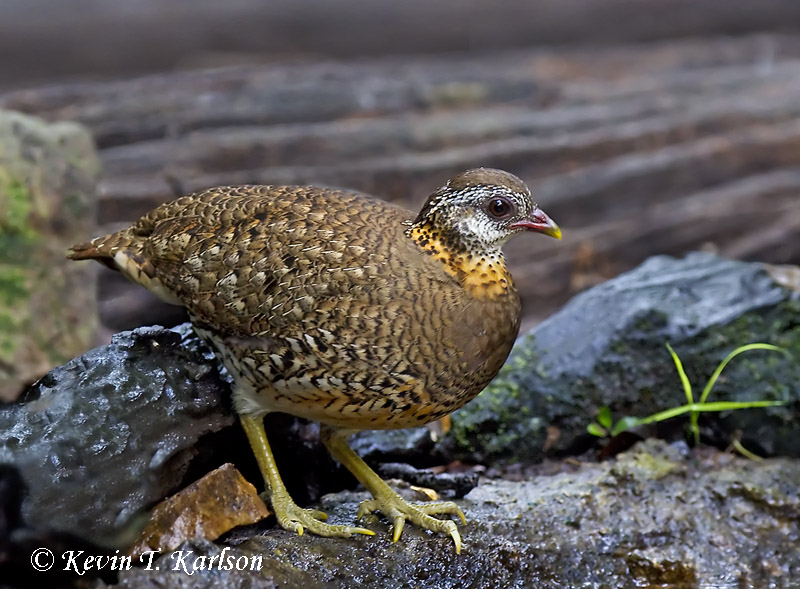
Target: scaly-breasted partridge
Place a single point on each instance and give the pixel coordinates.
(340, 308)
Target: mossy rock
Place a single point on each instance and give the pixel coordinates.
(48, 174)
(607, 348)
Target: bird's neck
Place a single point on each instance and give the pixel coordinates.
(481, 271)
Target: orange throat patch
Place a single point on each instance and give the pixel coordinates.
(484, 276)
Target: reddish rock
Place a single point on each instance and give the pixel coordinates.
(209, 507)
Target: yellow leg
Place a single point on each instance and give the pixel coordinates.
(290, 516)
(386, 499)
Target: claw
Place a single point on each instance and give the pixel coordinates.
(418, 513)
(456, 539)
(293, 518)
(399, 522)
(386, 499)
(366, 508)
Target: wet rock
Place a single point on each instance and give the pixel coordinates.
(656, 515)
(111, 433)
(207, 508)
(402, 445)
(114, 431)
(20, 543)
(607, 348)
(48, 314)
(108, 435)
(448, 485)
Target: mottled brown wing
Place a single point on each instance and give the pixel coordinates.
(253, 260)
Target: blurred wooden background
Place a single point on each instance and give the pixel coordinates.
(51, 40)
(653, 127)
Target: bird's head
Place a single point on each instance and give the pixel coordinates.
(480, 209)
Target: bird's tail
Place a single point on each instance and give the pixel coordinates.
(124, 252)
(102, 249)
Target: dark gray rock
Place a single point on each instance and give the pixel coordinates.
(657, 516)
(103, 438)
(407, 445)
(114, 431)
(449, 485)
(607, 347)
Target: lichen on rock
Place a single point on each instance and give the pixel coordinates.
(48, 174)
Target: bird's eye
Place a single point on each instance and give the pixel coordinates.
(500, 207)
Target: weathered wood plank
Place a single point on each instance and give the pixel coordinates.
(635, 150)
(123, 38)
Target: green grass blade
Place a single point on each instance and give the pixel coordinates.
(630, 422)
(746, 453)
(687, 386)
(687, 389)
(713, 380)
(707, 407)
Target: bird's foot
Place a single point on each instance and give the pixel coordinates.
(290, 516)
(386, 499)
(399, 510)
(294, 518)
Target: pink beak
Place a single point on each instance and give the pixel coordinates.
(538, 221)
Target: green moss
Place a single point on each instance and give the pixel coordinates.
(14, 291)
(8, 345)
(650, 321)
(17, 234)
(17, 237)
(15, 205)
(495, 422)
(654, 468)
(13, 285)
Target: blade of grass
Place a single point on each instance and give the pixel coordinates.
(694, 418)
(624, 424)
(687, 386)
(745, 452)
(695, 407)
(687, 389)
(713, 380)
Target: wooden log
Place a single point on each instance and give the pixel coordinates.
(635, 150)
(125, 38)
(174, 104)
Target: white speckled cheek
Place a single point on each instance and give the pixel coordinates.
(483, 229)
